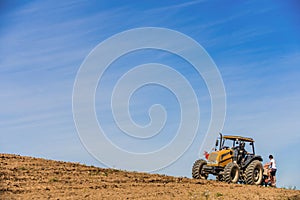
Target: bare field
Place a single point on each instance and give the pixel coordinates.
(34, 178)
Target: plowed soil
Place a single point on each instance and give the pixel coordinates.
(34, 178)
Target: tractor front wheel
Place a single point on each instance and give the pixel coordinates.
(231, 173)
(197, 171)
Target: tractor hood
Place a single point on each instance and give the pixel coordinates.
(220, 158)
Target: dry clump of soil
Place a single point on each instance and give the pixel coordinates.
(35, 178)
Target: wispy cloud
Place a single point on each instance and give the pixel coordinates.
(177, 6)
(263, 98)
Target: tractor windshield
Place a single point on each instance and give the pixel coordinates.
(227, 144)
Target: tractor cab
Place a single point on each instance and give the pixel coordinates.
(234, 142)
(229, 149)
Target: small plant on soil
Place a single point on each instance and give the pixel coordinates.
(53, 180)
(22, 168)
(290, 187)
(206, 194)
(219, 194)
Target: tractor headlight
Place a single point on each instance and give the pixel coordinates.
(212, 162)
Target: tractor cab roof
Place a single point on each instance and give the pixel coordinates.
(231, 137)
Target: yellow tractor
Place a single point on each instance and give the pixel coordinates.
(232, 160)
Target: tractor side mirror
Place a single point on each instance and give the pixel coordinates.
(217, 143)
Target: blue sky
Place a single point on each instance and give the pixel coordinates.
(255, 45)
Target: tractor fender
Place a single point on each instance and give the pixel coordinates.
(251, 159)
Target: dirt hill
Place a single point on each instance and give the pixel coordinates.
(34, 178)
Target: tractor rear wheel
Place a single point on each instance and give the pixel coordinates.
(231, 173)
(254, 173)
(197, 172)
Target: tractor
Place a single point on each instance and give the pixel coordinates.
(233, 160)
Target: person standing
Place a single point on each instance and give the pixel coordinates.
(273, 169)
